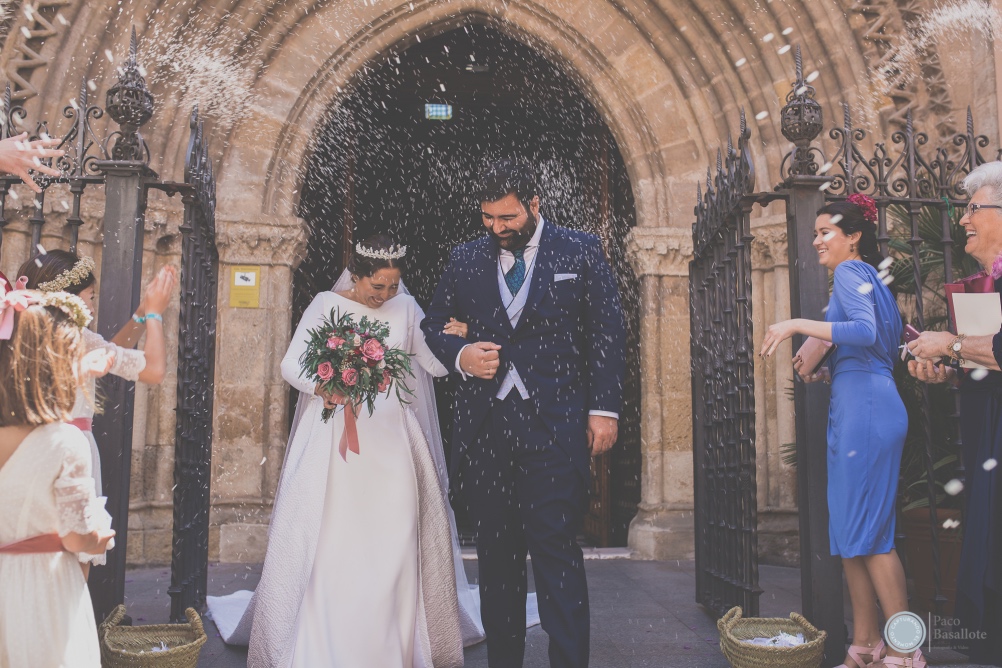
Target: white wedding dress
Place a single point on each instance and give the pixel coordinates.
(363, 566)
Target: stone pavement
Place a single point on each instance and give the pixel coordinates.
(643, 614)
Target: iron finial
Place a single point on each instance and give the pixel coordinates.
(802, 120)
(130, 104)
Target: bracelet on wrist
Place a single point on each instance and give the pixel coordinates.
(138, 319)
(155, 316)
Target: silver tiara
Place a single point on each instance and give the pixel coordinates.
(391, 253)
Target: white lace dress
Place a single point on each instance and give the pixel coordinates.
(46, 618)
(128, 364)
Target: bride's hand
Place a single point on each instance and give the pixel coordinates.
(456, 328)
(331, 399)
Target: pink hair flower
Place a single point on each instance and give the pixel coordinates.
(866, 204)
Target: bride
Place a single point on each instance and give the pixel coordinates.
(363, 566)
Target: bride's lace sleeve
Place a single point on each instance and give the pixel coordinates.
(422, 353)
(78, 508)
(291, 371)
(128, 364)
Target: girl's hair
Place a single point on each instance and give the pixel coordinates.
(362, 266)
(853, 220)
(38, 366)
(48, 267)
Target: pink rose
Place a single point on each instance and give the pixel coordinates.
(349, 377)
(325, 370)
(385, 385)
(334, 342)
(372, 349)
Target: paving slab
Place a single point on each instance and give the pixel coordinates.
(644, 613)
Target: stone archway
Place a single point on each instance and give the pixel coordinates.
(261, 184)
(381, 166)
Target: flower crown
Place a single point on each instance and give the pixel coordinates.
(391, 253)
(866, 204)
(18, 300)
(70, 304)
(78, 274)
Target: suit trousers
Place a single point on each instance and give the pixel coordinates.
(523, 494)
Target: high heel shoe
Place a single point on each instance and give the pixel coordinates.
(916, 660)
(856, 653)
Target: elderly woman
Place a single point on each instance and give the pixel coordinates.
(979, 585)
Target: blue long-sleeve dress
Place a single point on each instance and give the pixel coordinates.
(867, 421)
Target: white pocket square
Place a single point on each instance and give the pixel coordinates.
(563, 277)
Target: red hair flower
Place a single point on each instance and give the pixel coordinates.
(866, 205)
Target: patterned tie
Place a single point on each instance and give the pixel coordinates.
(515, 276)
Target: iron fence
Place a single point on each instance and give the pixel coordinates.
(723, 394)
(196, 368)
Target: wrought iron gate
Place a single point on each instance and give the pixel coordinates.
(723, 394)
(196, 364)
(119, 163)
(917, 190)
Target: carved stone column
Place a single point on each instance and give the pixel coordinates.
(251, 398)
(663, 526)
(778, 526)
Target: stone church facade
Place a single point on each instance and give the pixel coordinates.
(668, 79)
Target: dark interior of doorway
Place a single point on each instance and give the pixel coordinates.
(381, 166)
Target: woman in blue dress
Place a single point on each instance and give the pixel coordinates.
(867, 422)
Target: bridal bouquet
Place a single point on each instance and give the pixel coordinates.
(353, 360)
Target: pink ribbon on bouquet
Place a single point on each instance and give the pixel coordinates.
(11, 302)
(349, 437)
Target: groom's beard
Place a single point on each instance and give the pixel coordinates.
(515, 240)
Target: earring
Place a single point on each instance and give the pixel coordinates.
(852, 248)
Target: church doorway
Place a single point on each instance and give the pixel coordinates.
(400, 155)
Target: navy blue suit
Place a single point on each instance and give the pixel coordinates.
(522, 467)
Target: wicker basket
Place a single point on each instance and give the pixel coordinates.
(131, 646)
(733, 630)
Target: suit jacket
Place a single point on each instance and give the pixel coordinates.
(568, 344)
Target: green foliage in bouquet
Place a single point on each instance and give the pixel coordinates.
(353, 360)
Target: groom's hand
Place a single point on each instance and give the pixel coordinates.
(602, 433)
(480, 359)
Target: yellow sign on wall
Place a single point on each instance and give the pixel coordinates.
(245, 287)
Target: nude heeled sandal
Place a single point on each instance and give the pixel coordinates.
(856, 652)
(916, 660)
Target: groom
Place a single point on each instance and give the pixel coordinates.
(540, 391)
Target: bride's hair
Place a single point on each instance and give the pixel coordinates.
(365, 267)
